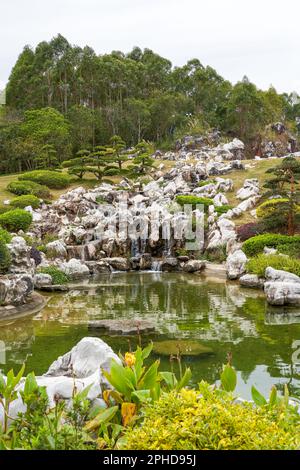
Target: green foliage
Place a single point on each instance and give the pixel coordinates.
(222, 209)
(290, 249)
(29, 187)
(5, 258)
(15, 220)
(24, 201)
(52, 179)
(270, 206)
(41, 427)
(205, 183)
(259, 263)
(209, 419)
(5, 236)
(194, 200)
(255, 245)
(58, 277)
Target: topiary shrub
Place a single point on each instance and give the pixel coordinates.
(206, 419)
(268, 207)
(29, 187)
(222, 209)
(52, 179)
(5, 258)
(205, 183)
(260, 263)
(24, 201)
(58, 277)
(15, 220)
(255, 245)
(290, 249)
(194, 200)
(246, 231)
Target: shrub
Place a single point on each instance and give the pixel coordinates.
(194, 200)
(15, 220)
(5, 236)
(205, 183)
(222, 209)
(290, 249)
(52, 179)
(255, 245)
(207, 419)
(269, 206)
(58, 277)
(29, 187)
(258, 264)
(24, 201)
(5, 258)
(246, 231)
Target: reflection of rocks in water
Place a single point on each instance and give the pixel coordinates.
(282, 317)
(18, 338)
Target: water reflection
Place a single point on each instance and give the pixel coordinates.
(219, 315)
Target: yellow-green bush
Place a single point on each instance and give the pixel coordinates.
(258, 264)
(25, 200)
(15, 220)
(255, 245)
(52, 179)
(209, 420)
(268, 207)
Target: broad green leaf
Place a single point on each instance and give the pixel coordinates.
(104, 416)
(170, 379)
(184, 380)
(147, 351)
(273, 397)
(286, 395)
(228, 378)
(141, 396)
(257, 397)
(30, 384)
(2, 384)
(150, 378)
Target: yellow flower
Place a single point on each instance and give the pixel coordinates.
(129, 359)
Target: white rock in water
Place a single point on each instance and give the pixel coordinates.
(41, 280)
(75, 268)
(282, 292)
(236, 264)
(272, 274)
(252, 280)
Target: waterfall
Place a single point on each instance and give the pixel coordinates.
(135, 252)
(156, 266)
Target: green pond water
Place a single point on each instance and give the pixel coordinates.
(217, 314)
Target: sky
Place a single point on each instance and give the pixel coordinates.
(257, 38)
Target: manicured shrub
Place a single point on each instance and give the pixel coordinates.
(290, 249)
(52, 179)
(4, 208)
(15, 220)
(255, 245)
(206, 419)
(194, 200)
(258, 264)
(268, 207)
(24, 201)
(5, 258)
(222, 209)
(29, 187)
(246, 231)
(205, 183)
(5, 236)
(58, 277)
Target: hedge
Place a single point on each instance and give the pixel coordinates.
(29, 187)
(24, 201)
(205, 419)
(255, 245)
(260, 263)
(194, 200)
(52, 179)
(5, 236)
(15, 220)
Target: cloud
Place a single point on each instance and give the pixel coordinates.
(257, 38)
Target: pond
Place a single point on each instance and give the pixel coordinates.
(219, 315)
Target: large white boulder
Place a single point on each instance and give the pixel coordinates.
(75, 269)
(57, 249)
(236, 264)
(282, 292)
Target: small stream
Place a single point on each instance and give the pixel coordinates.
(217, 314)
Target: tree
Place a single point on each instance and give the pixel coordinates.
(47, 158)
(285, 184)
(78, 166)
(143, 163)
(98, 164)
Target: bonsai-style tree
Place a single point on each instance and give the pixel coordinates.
(143, 161)
(283, 210)
(116, 151)
(78, 166)
(99, 163)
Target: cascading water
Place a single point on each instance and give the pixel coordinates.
(156, 266)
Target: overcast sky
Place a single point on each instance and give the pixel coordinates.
(257, 38)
